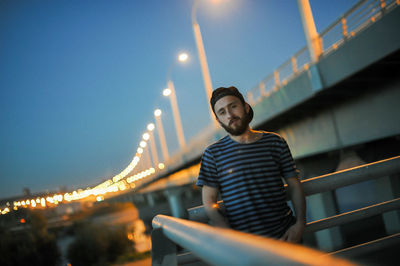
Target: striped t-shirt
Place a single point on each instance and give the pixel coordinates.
(249, 179)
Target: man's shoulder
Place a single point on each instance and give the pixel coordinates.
(271, 135)
(222, 142)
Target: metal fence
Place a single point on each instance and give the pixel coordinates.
(360, 16)
(202, 239)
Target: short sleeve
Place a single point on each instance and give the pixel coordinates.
(208, 171)
(287, 166)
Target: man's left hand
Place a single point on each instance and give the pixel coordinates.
(294, 233)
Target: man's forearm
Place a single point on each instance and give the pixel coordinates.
(298, 201)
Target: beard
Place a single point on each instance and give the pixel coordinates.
(243, 124)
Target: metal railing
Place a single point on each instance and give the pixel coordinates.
(219, 246)
(199, 238)
(360, 16)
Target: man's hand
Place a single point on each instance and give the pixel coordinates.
(209, 195)
(294, 233)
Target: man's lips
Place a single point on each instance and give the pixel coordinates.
(233, 121)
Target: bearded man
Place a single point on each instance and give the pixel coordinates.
(247, 168)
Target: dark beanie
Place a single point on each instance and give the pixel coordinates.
(222, 92)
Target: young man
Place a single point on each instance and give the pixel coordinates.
(246, 168)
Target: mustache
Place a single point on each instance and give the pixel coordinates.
(233, 119)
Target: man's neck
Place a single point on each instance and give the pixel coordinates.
(248, 136)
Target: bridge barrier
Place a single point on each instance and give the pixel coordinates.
(360, 16)
(189, 234)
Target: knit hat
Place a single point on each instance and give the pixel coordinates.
(222, 92)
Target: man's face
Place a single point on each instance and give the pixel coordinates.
(232, 115)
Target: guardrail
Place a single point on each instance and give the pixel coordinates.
(360, 16)
(219, 246)
(189, 234)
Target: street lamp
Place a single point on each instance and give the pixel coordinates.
(203, 60)
(313, 40)
(170, 92)
(150, 128)
(160, 129)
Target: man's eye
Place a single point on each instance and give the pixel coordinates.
(221, 113)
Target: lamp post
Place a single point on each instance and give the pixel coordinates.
(150, 128)
(313, 41)
(160, 129)
(203, 60)
(170, 91)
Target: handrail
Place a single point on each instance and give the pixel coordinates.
(331, 181)
(365, 12)
(240, 248)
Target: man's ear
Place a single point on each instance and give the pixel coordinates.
(247, 108)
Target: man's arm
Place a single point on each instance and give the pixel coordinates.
(210, 195)
(295, 232)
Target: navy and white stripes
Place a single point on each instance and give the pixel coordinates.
(249, 178)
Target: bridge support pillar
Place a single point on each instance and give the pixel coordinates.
(388, 188)
(323, 205)
(174, 196)
(163, 250)
(150, 199)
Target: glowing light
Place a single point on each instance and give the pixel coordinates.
(146, 136)
(150, 127)
(100, 198)
(22, 221)
(167, 92)
(140, 150)
(161, 166)
(143, 144)
(157, 112)
(183, 57)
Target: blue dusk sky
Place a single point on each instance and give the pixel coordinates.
(80, 79)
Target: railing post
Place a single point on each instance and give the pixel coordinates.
(261, 86)
(294, 64)
(250, 98)
(174, 196)
(322, 205)
(163, 250)
(276, 78)
(388, 188)
(344, 28)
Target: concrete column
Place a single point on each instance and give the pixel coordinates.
(150, 199)
(163, 250)
(387, 189)
(322, 205)
(174, 196)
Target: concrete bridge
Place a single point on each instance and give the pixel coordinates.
(336, 112)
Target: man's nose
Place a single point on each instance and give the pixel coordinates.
(229, 114)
